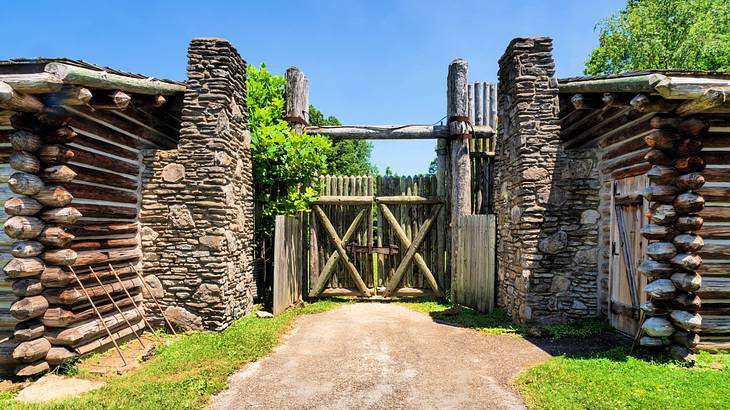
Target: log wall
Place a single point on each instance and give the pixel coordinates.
(72, 205)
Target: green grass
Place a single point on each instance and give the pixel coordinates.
(614, 379)
(185, 374)
(581, 328)
(494, 323)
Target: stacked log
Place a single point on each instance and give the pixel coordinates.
(671, 312)
(38, 213)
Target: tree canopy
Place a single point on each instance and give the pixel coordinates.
(664, 34)
(284, 162)
(348, 157)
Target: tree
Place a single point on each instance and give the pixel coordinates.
(283, 161)
(348, 157)
(664, 34)
(433, 167)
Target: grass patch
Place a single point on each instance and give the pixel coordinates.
(581, 328)
(615, 379)
(185, 374)
(495, 323)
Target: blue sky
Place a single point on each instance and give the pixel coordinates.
(369, 62)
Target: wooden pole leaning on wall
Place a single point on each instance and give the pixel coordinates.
(459, 131)
(116, 306)
(297, 99)
(129, 296)
(101, 319)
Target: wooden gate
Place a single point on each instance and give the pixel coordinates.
(628, 215)
(407, 258)
(474, 279)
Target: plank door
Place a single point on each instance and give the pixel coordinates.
(628, 248)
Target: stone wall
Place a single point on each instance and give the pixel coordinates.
(197, 212)
(547, 198)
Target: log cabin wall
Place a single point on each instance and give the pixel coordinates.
(663, 264)
(197, 211)
(72, 205)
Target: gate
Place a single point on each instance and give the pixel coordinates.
(402, 236)
(403, 254)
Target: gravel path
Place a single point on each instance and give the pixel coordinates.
(382, 356)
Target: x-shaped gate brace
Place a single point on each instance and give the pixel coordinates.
(411, 254)
(411, 249)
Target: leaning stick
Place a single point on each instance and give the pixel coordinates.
(101, 319)
(144, 283)
(132, 299)
(114, 302)
(642, 317)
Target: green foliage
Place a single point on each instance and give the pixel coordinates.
(582, 328)
(433, 167)
(184, 374)
(616, 380)
(389, 172)
(348, 157)
(283, 161)
(664, 34)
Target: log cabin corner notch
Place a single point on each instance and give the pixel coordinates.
(106, 174)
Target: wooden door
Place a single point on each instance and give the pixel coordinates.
(628, 248)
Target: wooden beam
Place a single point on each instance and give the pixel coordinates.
(460, 196)
(15, 101)
(713, 97)
(343, 200)
(635, 84)
(409, 200)
(70, 74)
(393, 132)
(35, 83)
(687, 87)
(297, 99)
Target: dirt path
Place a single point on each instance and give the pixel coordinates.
(373, 355)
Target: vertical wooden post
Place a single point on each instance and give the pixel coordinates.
(297, 115)
(297, 99)
(459, 132)
(442, 191)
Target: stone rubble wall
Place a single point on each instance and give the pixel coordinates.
(546, 198)
(197, 206)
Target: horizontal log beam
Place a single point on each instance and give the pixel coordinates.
(634, 84)
(72, 296)
(16, 101)
(343, 200)
(409, 200)
(70, 74)
(392, 132)
(104, 342)
(92, 329)
(34, 83)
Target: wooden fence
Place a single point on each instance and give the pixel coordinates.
(482, 98)
(474, 280)
(290, 260)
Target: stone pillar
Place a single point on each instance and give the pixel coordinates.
(197, 208)
(546, 198)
